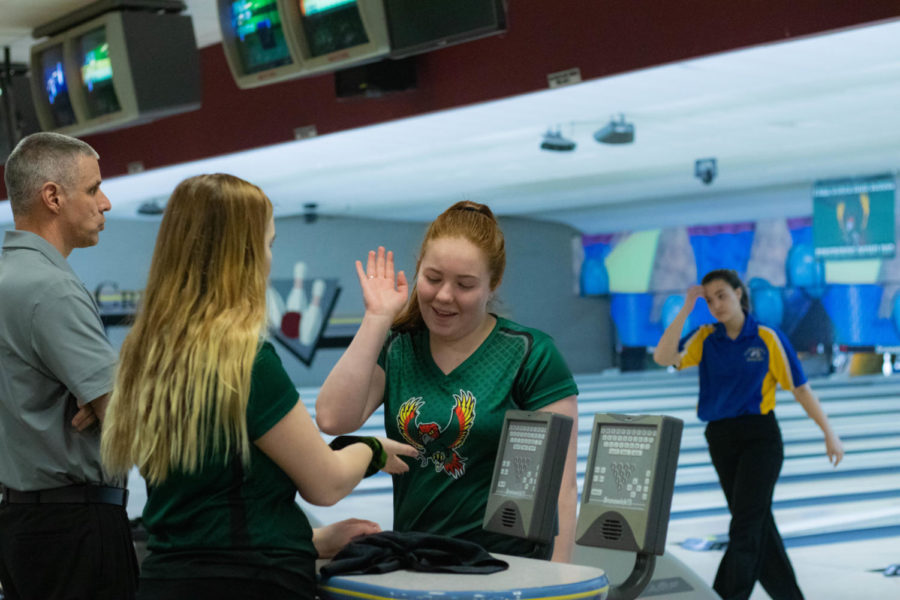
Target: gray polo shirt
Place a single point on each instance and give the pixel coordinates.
(53, 350)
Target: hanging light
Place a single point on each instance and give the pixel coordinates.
(615, 132)
(555, 142)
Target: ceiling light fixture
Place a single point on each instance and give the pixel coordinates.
(555, 142)
(615, 132)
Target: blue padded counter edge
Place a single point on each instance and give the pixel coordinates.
(342, 588)
(526, 579)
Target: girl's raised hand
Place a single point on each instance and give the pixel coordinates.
(383, 293)
(690, 299)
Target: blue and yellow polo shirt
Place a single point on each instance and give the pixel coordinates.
(738, 377)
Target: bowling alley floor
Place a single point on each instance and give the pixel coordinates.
(825, 572)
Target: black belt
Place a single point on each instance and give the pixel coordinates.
(70, 494)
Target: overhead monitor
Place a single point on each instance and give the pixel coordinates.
(253, 38)
(50, 90)
(417, 26)
(97, 73)
(335, 34)
(117, 70)
(854, 218)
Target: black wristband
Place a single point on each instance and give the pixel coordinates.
(379, 456)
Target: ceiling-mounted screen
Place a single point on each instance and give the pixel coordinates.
(854, 218)
(120, 69)
(335, 34)
(95, 67)
(260, 36)
(268, 41)
(51, 88)
(332, 25)
(417, 26)
(255, 42)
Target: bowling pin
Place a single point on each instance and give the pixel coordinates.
(296, 303)
(312, 319)
(274, 307)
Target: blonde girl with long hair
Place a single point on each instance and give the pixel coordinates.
(202, 405)
(447, 369)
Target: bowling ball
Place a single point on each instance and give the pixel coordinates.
(290, 325)
(670, 309)
(766, 302)
(594, 278)
(805, 271)
(895, 312)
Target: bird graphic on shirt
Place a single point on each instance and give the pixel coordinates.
(438, 444)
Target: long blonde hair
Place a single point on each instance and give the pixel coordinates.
(184, 370)
(468, 220)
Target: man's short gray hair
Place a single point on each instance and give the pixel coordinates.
(37, 159)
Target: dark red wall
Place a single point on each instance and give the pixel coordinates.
(601, 37)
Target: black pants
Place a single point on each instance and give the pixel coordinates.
(747, 453)
(217, 589)
(66, 552)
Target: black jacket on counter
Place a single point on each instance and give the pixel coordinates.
(392, 551)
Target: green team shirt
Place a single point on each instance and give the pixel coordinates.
(455, 421)
(227, 520)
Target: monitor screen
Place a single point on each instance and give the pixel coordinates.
(521, 460)
(97, 73)
(854, 218)
(332, 25)
(311, 7)
(56, 90)
(259, 35)
(422, 25)
(623, 466)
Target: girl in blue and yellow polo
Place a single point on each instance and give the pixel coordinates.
(740, 362)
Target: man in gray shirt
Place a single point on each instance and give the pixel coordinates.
(64, 532)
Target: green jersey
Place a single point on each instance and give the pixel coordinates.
(228, 520)
(455, 421)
